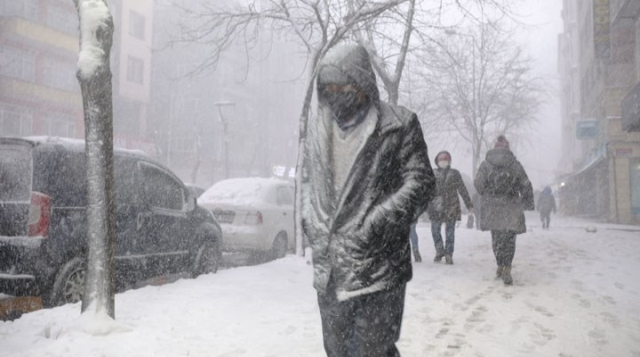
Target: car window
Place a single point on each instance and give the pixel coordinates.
(15, 173)
(284, 197)
(126, 187)
(161, 190)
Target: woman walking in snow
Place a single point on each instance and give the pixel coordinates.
(445, 207)
(506, 193)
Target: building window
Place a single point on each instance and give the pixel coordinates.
(60, 125)
(15, 121)
(17, 63)
(22, 8)
(61, 75)
(135, 68)
(63, 20)
(136, 25)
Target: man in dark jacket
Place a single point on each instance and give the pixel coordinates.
(445, 207)
(506, 193)
(546, 204)
(365, 178)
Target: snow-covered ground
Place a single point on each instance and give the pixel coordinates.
(575, 294)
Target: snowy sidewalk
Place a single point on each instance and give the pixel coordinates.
(576, 294)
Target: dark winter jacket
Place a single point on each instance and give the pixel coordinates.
(360, 236)
(448, 185)
(504, 211)
(546, 202)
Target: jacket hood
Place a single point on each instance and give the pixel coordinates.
(546, 191)
(349, 64)
(500, 157)
(440, 153)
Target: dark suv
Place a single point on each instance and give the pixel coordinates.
(160, 229)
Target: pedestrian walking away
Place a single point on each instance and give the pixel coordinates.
(546, 205)
(505, 193)
(445, 207)
(365, 179)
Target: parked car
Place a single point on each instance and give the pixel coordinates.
(159, 227)
(196, 191)
(256, 214)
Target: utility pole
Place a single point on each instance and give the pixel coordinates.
(225, 132)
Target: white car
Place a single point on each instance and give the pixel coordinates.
(255, 214)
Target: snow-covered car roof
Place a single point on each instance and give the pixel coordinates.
(72, 143)
(240, 191)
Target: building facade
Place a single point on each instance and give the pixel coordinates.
(599, 68)
(39, 92)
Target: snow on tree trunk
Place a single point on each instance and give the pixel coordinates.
(94, 75)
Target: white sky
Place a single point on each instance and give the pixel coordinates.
(542, 41)
(540, 37)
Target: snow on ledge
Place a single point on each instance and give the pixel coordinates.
(93, 15)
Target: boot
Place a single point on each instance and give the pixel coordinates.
(416, 256)
(448, 259)
(506, 276)
(499, 272)
(438, 258)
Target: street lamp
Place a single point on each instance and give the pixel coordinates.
(225, 138)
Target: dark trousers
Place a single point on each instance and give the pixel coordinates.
(546, 219)
(365, 326)
(504, 247)
(450, 234)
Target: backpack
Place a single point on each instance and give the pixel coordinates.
(502, 181)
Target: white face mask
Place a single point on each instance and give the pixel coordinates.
(443, 164)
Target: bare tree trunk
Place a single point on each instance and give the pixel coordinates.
(304, 120)
(94, 75)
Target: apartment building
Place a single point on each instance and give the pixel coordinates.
(39, 92)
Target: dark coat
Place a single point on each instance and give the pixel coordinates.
(360, 236)
(449, 188)
(503, 212)
(546, 202)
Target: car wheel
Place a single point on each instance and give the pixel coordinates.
(279, 248)
(68, 287)
(207, 259)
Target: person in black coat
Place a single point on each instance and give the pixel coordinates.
(546, 205)
(366, 178)
(445, 206)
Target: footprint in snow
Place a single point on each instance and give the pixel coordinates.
(611, 319)
(583, 302)
(542, 335)
(598, 336)
(609, 299)
(540, 309)
(619, 286)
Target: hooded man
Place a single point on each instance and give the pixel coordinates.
(365, 178)
(445, 207)
(506, 193)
